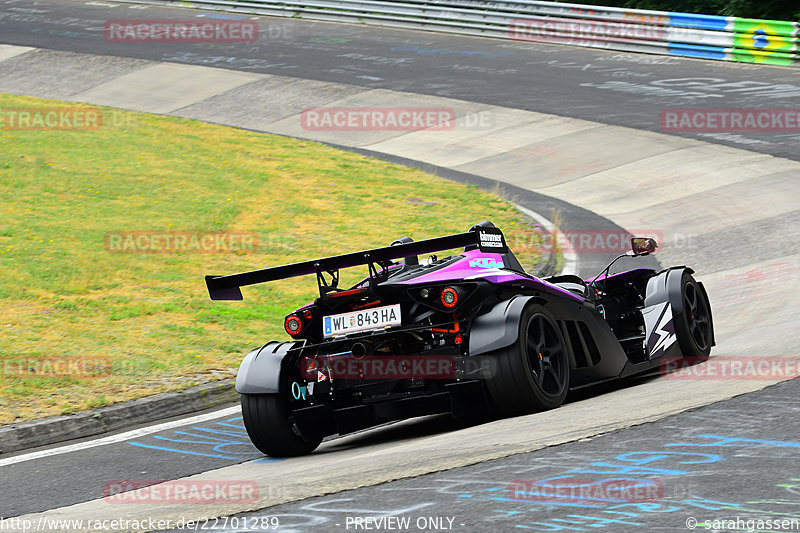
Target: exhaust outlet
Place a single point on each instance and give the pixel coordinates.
(360, 349)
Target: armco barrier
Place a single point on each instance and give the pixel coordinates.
(634, 30)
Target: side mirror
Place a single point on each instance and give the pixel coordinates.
(643, 245)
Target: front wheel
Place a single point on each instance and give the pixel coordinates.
(533, 373)
(271, 429)
(694, 328)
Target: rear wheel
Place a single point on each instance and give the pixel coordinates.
(694, 327)
(533, 373)
(271, 429)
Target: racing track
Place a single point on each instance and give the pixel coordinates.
(722, 210)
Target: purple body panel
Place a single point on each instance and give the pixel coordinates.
(473, 262)
(477, 265)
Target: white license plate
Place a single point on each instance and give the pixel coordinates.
(364, 320)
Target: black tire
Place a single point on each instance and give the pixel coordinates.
(270, 428)
(694, 327)
(533, 373)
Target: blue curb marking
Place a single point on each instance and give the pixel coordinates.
(182, 451)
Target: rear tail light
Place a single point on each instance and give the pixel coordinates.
(298, 321)
(449, 297)
(347, 293)
(293, 325)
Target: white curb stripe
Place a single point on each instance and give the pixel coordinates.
(570, 265)
(112, 439)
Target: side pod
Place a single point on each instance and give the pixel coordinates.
(499, 327)
(260, 370)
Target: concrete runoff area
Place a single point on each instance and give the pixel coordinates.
(164, 88)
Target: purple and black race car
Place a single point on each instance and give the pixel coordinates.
(465, 333)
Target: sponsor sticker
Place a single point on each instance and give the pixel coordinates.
(491, 240)
(486, 262)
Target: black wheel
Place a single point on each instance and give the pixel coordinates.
(270, 428)
(532, 374)
(694, 328)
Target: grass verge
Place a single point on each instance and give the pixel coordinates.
(86, 320)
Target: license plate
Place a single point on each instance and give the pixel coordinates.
(364, 320)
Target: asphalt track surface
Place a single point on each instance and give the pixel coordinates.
(681, 465)
(613, 88)
(553, 79)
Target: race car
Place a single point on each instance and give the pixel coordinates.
(459, 334)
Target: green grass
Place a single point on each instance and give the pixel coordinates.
(64, 296)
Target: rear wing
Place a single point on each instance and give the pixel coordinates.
(488, 239)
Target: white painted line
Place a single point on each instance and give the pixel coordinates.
(570, 265)
(119, 437)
